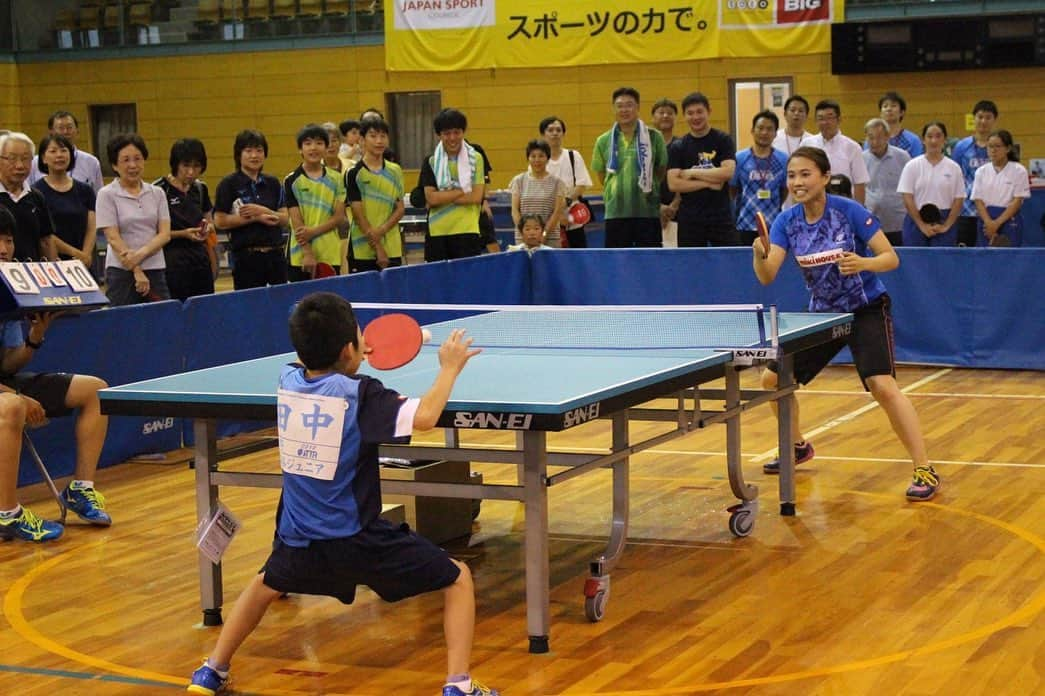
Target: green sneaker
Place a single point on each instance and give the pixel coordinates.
(88, 503)
(29, 527)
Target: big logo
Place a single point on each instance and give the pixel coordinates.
(795, 11)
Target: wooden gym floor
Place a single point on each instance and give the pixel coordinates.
(860, 593)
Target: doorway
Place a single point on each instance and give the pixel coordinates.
(748, 96)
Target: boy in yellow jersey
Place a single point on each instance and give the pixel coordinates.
(315, 196)
(374, 189)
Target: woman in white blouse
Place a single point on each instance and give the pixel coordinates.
(137, 224)
(932, 182)
(538, 192)
(569, 166)
(999, 190)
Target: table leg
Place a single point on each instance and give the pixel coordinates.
(743, 514)
(520, 468)
(535, 462)
(206, 503)
(597, 587)
(785, 406)
(734, 457)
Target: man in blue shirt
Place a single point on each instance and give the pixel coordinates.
(759, 182)
(892, 108)
(329, 538)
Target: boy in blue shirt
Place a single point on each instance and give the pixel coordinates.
(971, 153)
(329, 537)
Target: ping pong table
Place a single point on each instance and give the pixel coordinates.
(540, 371)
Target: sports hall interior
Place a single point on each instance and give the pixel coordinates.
(861, 593)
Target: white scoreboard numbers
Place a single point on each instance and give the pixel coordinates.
(35, 286)
(19, 279)
(79, 278)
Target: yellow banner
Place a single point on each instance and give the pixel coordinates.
(470, 34)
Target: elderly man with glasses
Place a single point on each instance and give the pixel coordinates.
(34, 230)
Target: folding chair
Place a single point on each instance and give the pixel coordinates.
(46, 475)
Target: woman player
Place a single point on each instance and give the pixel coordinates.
(840, 247)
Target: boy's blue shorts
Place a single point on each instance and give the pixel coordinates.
(392, 560)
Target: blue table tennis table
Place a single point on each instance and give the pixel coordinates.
(540, 371)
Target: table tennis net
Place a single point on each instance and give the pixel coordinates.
(609, 327)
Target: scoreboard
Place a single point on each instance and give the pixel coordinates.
(28, 287)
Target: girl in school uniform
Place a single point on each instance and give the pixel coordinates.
(932, 180)
(999, 190)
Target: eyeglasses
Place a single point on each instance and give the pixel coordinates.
(27, 159)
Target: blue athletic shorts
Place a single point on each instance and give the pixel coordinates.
(392, 560)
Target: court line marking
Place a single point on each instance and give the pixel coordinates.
(939, 395)
(84, 676)
(949, 462)
(12, 607)
(842, 458)
(1024, 613)
(13, 612)
(752, 456)
(853, 415)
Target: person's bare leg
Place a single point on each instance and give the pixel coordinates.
(243, 619)
(459, 621)
(91, 423)
(902, 416)
(12, 421)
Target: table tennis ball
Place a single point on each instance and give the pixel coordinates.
(426, 336)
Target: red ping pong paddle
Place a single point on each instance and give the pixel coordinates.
(393, 340)
(578, 214)
(323, 270)
(1001, 240)
(763, 232)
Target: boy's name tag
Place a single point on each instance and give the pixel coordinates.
(215, 534)
(310, 432)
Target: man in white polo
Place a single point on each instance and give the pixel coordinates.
(844, 153)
